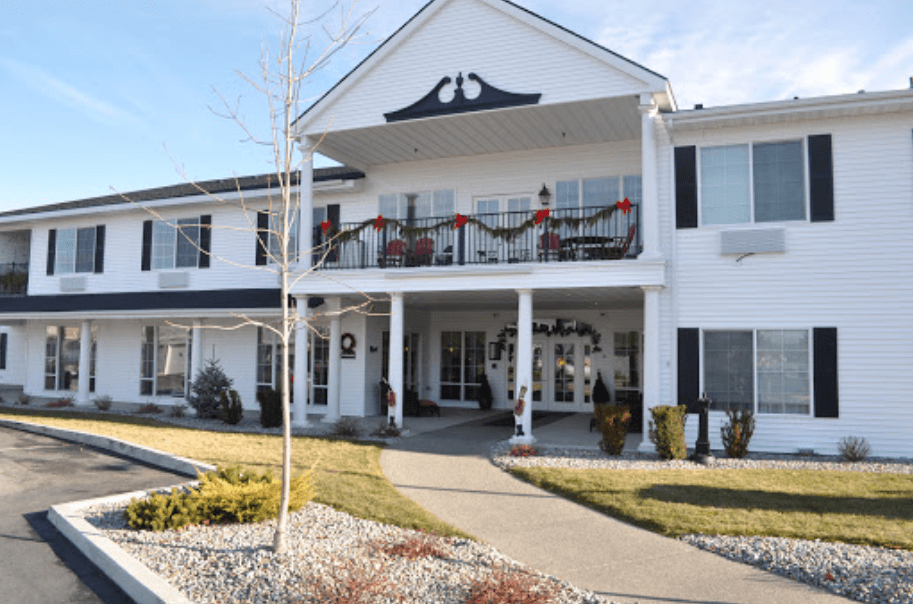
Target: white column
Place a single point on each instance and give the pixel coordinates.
(333, 307)
(299, 407)
(525, 366)
(651, 354)
(649, 210)
(85, 353)
(306, 218)
(196, 350)
(395, 369)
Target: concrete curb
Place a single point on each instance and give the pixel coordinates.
(140, 583)
(161, 459)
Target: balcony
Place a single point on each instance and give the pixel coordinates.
(566, 235)
(14, 279)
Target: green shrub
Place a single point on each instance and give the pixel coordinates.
(227, 496)
(737, 432)
(346, 426)
(613, 422)
(667, 431)
(232, 410)
(103, 402)
(208, 384)
(270, 408)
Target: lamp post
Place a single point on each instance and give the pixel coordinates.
(702, 453)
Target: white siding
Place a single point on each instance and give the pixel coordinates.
(233, 253)
(16, 342)
(470, 36)
(855, 274)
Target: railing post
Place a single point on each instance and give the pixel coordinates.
(383, 246)
(546, 242)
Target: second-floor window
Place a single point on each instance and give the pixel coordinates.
(762, 182)
(181, 243)
(176, 246)
(76, 250)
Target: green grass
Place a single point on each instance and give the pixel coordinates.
(850, 507)
(348, 474)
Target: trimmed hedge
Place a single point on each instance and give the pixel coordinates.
(613, 422)
(667, 431)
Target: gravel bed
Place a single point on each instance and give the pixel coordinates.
(583, 458)
(329, 552)
(868, 574)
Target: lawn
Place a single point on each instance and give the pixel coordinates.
(851, 507)
(348, 474)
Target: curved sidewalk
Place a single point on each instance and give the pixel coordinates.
(448, 473)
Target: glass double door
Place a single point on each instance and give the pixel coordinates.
(562, 375)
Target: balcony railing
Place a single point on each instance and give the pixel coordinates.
(566, 235)
(14, 279)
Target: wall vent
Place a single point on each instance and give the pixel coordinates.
(72, 284)
(171, 280)
(753, 241)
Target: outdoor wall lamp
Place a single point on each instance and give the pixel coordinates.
(545, 195)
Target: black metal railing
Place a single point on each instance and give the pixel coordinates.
(14, 279)
(566, 235)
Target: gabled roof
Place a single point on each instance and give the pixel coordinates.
(222, 185)
(620, 62)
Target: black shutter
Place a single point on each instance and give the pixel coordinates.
(686, 187)
(824, 341)
(147, 245)
(205, 239)
(2, 351)
(689, 367)
(333, 219)
(52, 250)
(821, 177)
(262, 237)
(100, 248)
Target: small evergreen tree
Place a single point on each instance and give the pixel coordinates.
(232, 409)
(485, 397)
(207, 388)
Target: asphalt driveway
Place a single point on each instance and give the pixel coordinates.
(37, 565)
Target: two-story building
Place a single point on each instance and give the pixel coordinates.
(522, 203)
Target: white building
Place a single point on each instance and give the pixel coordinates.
(746, 266)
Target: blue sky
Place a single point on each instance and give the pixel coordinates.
(109, 95)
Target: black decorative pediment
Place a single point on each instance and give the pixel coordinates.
(489, 97)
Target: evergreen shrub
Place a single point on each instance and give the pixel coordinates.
(613, 421)
(232, 410)
(207, 388)
(229, 495)
(737, 432)
(270, 408)
(667, 431)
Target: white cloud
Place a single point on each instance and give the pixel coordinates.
(42, 81)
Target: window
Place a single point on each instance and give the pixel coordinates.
(406, 206)
(75, 250)
(763, 180)
(177, 244)
(61, 357)
(320, 372)
(627, 360)
(462, 364)
(586, 197)
(269, 360)
(765, 370)
(163, 360)
(275, 249)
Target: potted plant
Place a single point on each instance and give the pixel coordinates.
(485, 397)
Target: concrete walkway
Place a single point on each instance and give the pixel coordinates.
(447, 471)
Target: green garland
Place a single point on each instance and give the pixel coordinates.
(506, 233)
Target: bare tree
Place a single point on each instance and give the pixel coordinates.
(282, 79)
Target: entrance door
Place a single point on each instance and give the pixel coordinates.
(561, 375)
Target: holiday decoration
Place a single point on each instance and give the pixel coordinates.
(378, 225)
(391, 399)
(325, 225)
(624, 206)
(542, 215)
(460, 221)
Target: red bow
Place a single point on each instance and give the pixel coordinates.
(542, 215)
(624, 206)
(378, 223)
(326, 225)
(460, 221)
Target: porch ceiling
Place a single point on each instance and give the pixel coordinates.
(596, 298)
(485, 132)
